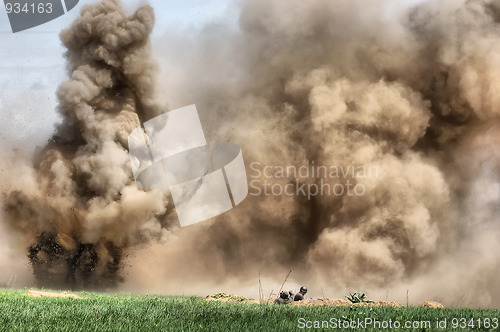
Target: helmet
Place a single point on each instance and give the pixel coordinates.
(303, 289)
(284, 295)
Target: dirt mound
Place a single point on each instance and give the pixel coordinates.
(432, 304)
(34, 293)
(342, 302)
(223, 297)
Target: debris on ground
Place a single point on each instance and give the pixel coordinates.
(223, 297)
(342, 302)
(35, 293)
(432, 304)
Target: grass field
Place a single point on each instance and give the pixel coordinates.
(107, 312)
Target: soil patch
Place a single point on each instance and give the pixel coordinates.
(35, 293)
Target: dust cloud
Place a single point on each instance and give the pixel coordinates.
(78, 207)
(410, 90)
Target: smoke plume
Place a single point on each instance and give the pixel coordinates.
(409, 90)
(80, 207)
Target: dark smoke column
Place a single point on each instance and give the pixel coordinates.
(85, 208)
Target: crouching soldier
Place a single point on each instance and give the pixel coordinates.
(300, 295)
(284, 298)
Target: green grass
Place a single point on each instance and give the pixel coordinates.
(106, 312)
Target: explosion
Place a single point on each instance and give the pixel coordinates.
(85, 208)
(410, 89)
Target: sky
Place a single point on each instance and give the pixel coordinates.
(33, 61)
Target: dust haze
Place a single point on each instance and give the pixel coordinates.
(410, 89)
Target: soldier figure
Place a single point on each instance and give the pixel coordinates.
(284, 298)
(300, 295)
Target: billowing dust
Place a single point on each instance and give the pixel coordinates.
(412, 90)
